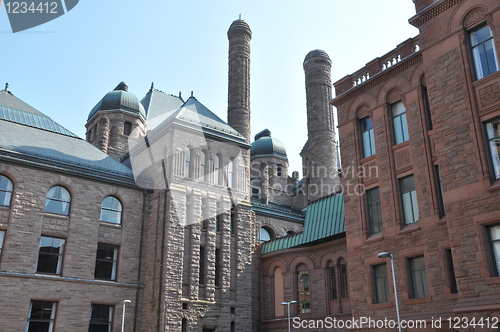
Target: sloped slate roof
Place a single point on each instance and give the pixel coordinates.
(156, 103)
(29, 135)
(324, 219)
(196, 113)
(7, 99)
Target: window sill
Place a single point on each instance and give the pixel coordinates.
(495, 186)
(400, 145)
(368, 159)
(442, 220)
(374, 238)
(410, 228)
(48, 274)
(55, 215)
(492, 280)
(4, 207)
(110, 224)
(420, 300)
(380, 305)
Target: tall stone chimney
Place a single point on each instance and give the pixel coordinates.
(238, 100)
(319, 155)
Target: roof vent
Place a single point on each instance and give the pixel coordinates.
(122, 86)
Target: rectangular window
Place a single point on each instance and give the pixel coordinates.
(399, 123)
(409, 199)
(255, 192)
(442, 209)
(217, 267)
(344, 289)
(367, 137)
(493, 132)
(333, 283)
(483, 52)
(202, 265)
(2, 237)
(127, 128)
(304, 293)
(106, 260)
(427, 107)
(381, 285)
(50, 255)
(494, 237)
(233, 220)
(41, 316)
(452, 280)
(374, 212)
(418, 277)
(101, 318)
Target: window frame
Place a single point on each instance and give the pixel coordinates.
(381, 290)
(101, 261)
(58, 200)
(491, 138)
(343, 280)
(2, 241)
(418, 278)
(50, 320)
(203, 166)
(375, 226)
(478, 57)
(495, 254)
(399, 123)
(118, 212)
(367, 138)
(48, 255)
(332, 280)
(97, 322)
(303, 293)
(413, 199)
(187, 162)
(6, 191)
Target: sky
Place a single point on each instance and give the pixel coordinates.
(64, 67)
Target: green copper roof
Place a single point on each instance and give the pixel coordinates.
(324, 219)
(119, 98)
(265, 145)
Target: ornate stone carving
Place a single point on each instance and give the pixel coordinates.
(394, 95)
(474, 17)
(362, 111)
(403, 158)
(489, 95)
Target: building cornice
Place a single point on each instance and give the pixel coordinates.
(432, 11)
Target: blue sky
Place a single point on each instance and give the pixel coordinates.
(64, 67)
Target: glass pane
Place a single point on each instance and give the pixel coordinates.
(481, 35)
(495, 232)
(2, 236)
(407, 184)
(414, 205)
(5, 198)
(264, 235)
(398, 130)
(490, 56)
(496, 253)
(397, 109)
(5, 184)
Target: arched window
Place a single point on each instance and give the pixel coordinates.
(233, 326)
(344, 289)
(202, 166)
(367, 137)
(288, 233)
(187, 163)
(111, 210)
(279, 170)
(230, 174)
(5, 191)
(58, 201)
(303, 290)
(216, 169)
(265, 235)
(184, 325)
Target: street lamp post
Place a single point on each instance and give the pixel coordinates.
(385, 255)
(123, 316)
(288, 310)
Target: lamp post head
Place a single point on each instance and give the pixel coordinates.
(287, 303)
(127, 301)
(291, 302)
(384, 254)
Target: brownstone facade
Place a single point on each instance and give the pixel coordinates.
(435, 179)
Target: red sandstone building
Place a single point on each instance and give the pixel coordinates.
(423, 122)
(427, 115)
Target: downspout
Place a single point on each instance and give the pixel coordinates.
(144, 200)
(162, 259)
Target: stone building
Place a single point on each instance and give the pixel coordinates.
(425, 115)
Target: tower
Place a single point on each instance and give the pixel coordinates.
(113, 119)
(238, 100)
(319, 157)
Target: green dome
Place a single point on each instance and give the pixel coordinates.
(265, 145)
(119, 98)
